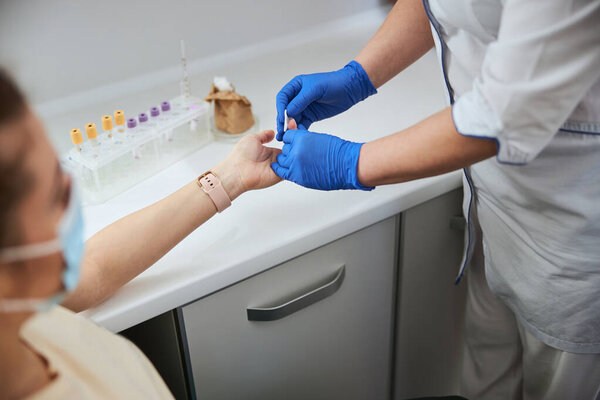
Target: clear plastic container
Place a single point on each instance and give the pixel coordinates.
(107, 166)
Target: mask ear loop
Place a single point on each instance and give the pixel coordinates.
(27, 252)
(30, 251)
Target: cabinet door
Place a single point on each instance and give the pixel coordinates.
(161, 340)
(338, 347)
(431, 308)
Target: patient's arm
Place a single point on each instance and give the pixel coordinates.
(127, 247)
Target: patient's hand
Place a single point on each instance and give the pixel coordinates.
(250, 164)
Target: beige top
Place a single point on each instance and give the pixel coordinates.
(90, 362)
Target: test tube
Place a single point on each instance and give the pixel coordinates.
(132, 135)
(165, 107)
(107, 125)
(143, 120)
(154, 116)
(120, 121)
(76, 138)
(92, 134)
(131, 127)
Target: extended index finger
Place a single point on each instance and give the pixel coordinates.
(283, 98)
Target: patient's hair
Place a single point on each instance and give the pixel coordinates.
(13, 177)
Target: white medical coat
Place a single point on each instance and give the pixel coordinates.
(527, 75)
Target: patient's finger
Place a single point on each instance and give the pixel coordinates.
(292, 124)
(265, 136)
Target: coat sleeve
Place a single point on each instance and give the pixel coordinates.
(545, 59)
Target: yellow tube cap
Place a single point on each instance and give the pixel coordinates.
(119, 117)
(107, 123)
(76, 136)
(90, 131)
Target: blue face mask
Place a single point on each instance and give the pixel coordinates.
(69, 241)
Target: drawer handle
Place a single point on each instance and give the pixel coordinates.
(303, 301)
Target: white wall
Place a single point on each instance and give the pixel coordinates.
(59, 47)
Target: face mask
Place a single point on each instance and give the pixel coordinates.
(69, 242)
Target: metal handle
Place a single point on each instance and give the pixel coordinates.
(303, 301)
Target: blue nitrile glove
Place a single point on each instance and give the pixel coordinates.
(318, 161)
(314, 97)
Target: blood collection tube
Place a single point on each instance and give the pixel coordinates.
(131, 126)
(132, 130)
(165, 107)
(107, 125)
(76, 138)
(144, 124)
(143, 120)
(120, 121)
(92, 133)
(154, 115)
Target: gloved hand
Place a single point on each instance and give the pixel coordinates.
(314, 97)
(318, 161)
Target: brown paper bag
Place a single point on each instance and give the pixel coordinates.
(233, 112)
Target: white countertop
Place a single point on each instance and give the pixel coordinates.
(265, 228)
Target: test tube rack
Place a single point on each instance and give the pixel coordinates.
(117, 159)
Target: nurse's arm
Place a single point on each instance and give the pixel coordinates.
(127, 247)
(430, 147)
(403, 38)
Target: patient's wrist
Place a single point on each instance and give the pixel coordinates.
(230, 178)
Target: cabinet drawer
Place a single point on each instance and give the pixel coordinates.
(338, 345)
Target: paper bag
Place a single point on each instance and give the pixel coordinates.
(233, 112)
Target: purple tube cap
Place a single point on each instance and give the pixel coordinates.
(154, 112)
(131, 123)
(143, 117)
(165, 106)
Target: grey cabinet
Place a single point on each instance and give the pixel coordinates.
(335, 342)
(430, 310)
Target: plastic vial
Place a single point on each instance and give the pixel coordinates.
(132, 135)
(92, 134)
(154, 116)
(76, 138)
(143, 128)
(165, 107)
(143, 118)
(107, 125)
(120, 123)
(131, 128)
